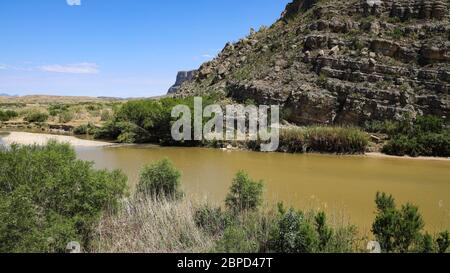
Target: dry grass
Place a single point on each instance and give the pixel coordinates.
(152, 226)
(164, 226)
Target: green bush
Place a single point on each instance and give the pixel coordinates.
(294, 234)
(400, 230)
(429, 124)
(297, 232)
(212, 220)
(426, 136)
(8, 115)
(85, 129)
(396, 229)
(402, 145)
(36, 117)
(105, 115)
(245, 194)
(424, 144)
(443, 242)
(65, 117)
(160, 179)
(425, 244)
(235, 240)
(124, 132)
(324, 231)
(147, 121)
(383, 127)
(56, 109)
(49, 198)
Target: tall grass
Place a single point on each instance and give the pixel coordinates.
(151, 225)
(162, 225)
(339, 140)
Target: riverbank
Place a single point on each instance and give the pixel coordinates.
(381, 155)
(42, 139)
(26, 138)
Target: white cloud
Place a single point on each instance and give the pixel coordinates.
(73, 2)
(207, 56)
(80, 68)
(15, 68)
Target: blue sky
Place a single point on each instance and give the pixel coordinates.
(123, 48)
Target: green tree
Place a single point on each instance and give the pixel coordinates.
(396, 230)
(245, 193)
(49, 198)
(160, 179)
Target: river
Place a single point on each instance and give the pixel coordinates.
(344, 186)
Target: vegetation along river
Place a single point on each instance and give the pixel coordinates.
(342, 185)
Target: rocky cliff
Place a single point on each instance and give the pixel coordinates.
(340, 62)
(182, 76)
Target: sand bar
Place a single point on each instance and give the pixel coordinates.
(23, 138)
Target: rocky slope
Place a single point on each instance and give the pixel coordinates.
(340, 62)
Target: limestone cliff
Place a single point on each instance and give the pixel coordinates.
(182, 76)
(340, 62)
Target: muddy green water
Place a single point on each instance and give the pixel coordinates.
(341, 185)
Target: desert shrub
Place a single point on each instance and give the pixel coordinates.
(49, 198)
(93, 107)
(105, 115)
(397, 33)
(160, 179)
(299, 232)
(323, 230)
(8, 115)
(425, 244)
(235, 240)
(36, 117)
(382, 127)
(85, 129)
(245, 194)
(443, 242)
(56, 109)
(65, 117)
(294, 234)
(212, 220)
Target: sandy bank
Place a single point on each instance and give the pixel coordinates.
(41, 139)
(380, 155)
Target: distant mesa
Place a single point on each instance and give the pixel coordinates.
(182, 77)
(7, 95)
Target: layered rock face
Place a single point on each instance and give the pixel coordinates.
(182, 76)
(340, 62)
